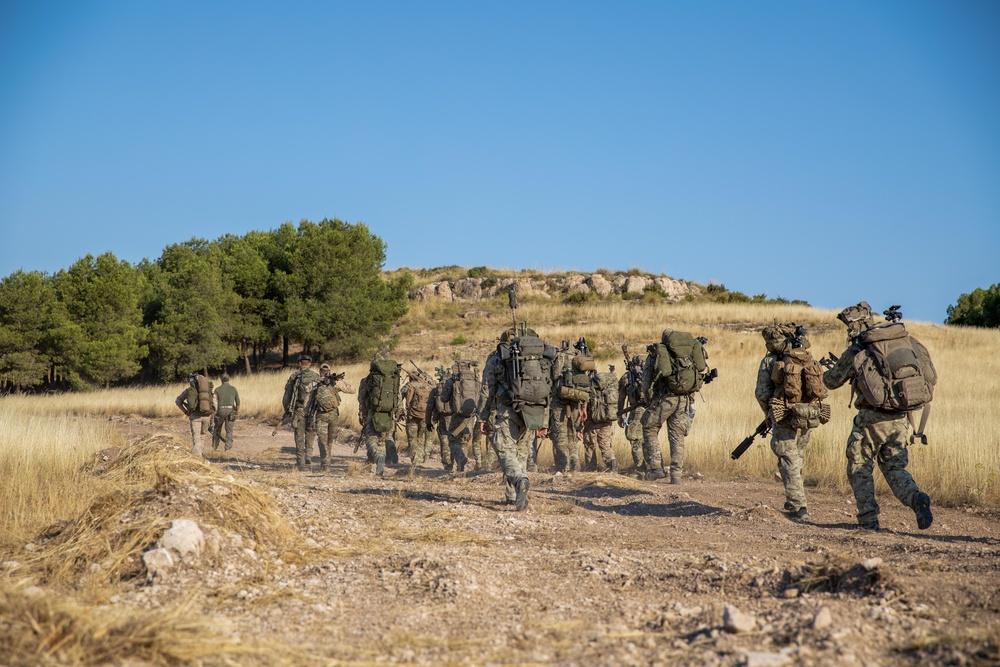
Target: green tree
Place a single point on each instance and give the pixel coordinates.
(192, 311)
(35, 334)
(101, 297)
(244, 264)
(980, 308)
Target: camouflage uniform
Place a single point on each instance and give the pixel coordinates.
(375, 443)
(631, 422)
(787, 443)
(199, 421)
(437, 427)
(294, 401)
(509, 438)
(675, 411)
(417, 432)
(565, 420)
(325, 420)
(598, 436)
(227, 400)
(879, 436)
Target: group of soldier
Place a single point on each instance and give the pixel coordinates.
(502, 408)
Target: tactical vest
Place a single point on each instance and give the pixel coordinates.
(416, 403)
(799, 390)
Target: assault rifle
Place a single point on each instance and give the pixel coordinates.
(285, 419)
(829, 361)
(581, 346)
(762, 430)
(711, 373)
(634, 371)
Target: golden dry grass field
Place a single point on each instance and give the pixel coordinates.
(70, 538)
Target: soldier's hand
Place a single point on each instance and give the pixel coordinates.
(482, 427)
(542, 433)
(621, 422)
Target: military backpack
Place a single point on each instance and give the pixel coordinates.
(528, 365)
(416, 404)
(383, 393)
(327, 397)
(465, 384)
(201, 396)
(890, 371)
(675, 365)
(799, 390)
(602, 408)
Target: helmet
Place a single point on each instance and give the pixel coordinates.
(857, 318)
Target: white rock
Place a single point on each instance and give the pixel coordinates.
(600, 284)
(823, 619)
(765, 659)
(158, 562)
(871, 563)
(185, 538)
(734, 620)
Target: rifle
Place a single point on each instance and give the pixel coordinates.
(762, 430)
(581, 346)
(285, 418)
(829, 361)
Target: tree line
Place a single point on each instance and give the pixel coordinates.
(979, 308)
(201, 305)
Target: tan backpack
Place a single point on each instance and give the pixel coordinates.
(890, 370)
(416, 403)
(799, 388)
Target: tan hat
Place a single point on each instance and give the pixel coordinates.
(324, 367)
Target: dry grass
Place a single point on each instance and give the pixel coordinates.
(37, 628)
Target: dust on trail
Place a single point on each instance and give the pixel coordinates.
(431, 567)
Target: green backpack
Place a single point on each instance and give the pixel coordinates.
(603, 405)
(383, 393)
(675, 365)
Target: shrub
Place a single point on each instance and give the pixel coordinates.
(460, 339)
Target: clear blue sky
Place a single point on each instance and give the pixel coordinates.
(830, 151)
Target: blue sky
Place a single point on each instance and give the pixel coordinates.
(826, 151)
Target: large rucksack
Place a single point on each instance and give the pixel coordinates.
(799, 390)
(416, 404)
(528, 365)
(205, 403)
(465, 384)
(675, 365)
(603, 405)
(383, 393)
(890, 371)
(574, 385)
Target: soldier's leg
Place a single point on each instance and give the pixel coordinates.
(412, 435)
(507, 434)
(477, 452)
(652, 420)
(230, 424)
(524, 447)
(860, 461)
(458, 440)
(893, 456)
(604, 436)
(444, 446)
(324, 437)
(299, 426)
(574, 443)
(678, 425)
(785, 445)
(559, 435)
(197, 444)
(589, 449)
(217, 423)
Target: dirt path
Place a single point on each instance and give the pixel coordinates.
(601, 569)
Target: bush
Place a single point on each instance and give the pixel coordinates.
(477, 272)
(980, 308)
(459, 340)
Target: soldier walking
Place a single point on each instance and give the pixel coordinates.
(323, 410)
(228, 401)
(891, 375)
(197, 403)
(294, 401)
(631, 407)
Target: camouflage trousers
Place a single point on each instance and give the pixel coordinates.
(633, 433)
(597, 436)
(224, 419)
(443, 443)
(672, 410)
(788, 445)
(326, 433)
(563, 423)
(416, 440)
(476, 449)
(305, 436)
(199, 427)
(883, 437)
(460, 430)
(511, 441)
(375, 442)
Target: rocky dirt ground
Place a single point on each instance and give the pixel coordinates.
(429, 567)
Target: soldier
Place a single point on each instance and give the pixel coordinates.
(598, 427)
(379, 396)
(790, 392)
(438, 414)
(196, 402)
(631, 408)
(508, 433)
(323, 410)
(228, 401)
(414, 406)
(884, 397)
(566, 416)
(670, 390)
(294, 401)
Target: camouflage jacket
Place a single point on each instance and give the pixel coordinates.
(765, 386)
(494, 385)
(296, 388)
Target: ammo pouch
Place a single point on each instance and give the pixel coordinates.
(801, 415)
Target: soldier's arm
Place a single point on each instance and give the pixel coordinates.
(344, 387)
(236, 399)
(487, 389)
(765, 387)
(179, 402)
(842, 371)
(286, 399)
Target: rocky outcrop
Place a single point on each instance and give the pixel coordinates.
(558, 286)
